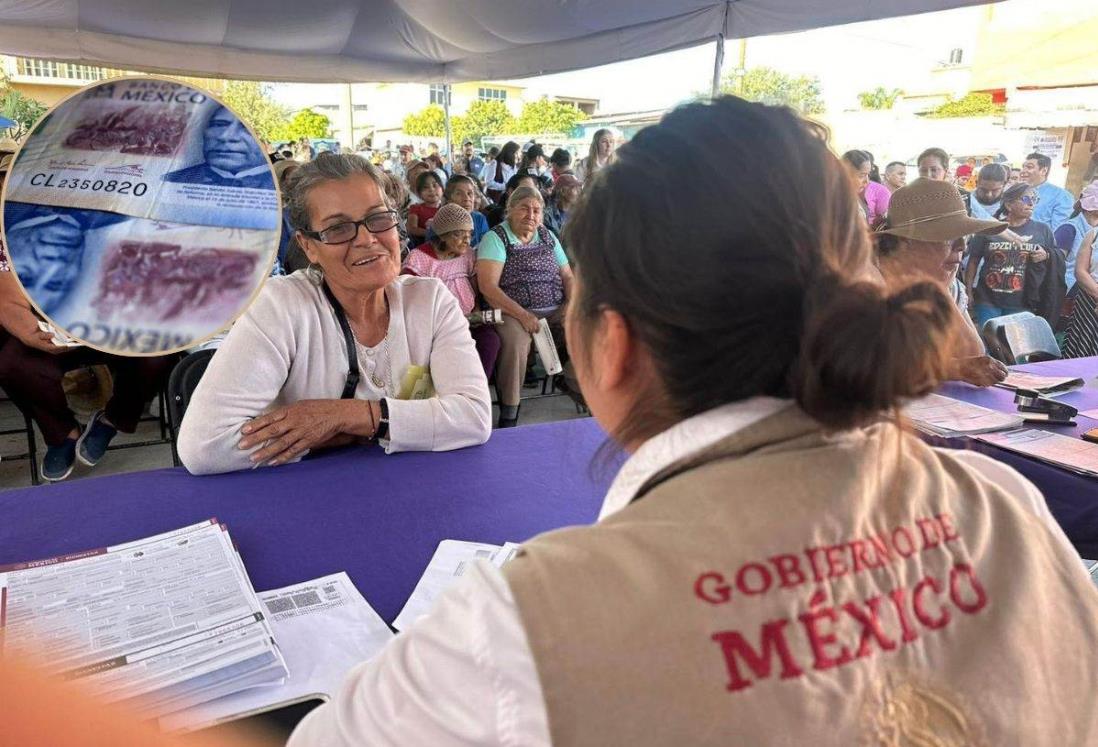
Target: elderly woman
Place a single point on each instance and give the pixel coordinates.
(330, 355)
(923, 238)
(523, 271)
(778, 557)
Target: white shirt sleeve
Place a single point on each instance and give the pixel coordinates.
(462, 675)
(224, 399)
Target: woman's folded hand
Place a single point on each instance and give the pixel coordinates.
(288, 432)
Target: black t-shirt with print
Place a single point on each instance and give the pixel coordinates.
(1006, 266)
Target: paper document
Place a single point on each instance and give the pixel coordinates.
(447, 565)
(324, 627)
(163, 623)
(1064, 451)
(547, 349)
(1092, 569)
(1042, 384)
(943, 416)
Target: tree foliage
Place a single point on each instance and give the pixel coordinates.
(879, 98)
(971, 105)
(252, 102)
(428, 122)
(21, 109)
(545, 116)
(770, 86)
(482, 118)
(306, 123)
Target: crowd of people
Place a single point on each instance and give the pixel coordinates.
(1038, 261)
(778, 556)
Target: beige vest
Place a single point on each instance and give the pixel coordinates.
(788, 587)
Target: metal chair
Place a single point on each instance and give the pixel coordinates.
(181, 385)
(1020, 338)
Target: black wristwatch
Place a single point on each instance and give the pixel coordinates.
(383, 424)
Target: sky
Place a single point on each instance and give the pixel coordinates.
(894, 53)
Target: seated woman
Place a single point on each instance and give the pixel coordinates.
(496, 214)
(462, 190)
(325, 356)
(448, 256)
(779, 561)
(523, 271)
(923, 238)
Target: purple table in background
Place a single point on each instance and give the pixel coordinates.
(1072, 498)
(377, 517)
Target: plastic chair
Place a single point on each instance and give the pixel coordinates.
(1021, 338)
(181, 385)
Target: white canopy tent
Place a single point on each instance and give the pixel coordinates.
(434, 41)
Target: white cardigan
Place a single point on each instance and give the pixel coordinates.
(289, 347)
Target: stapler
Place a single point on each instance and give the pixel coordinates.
(1038, 409)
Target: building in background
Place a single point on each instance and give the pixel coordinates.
(48, 82)
(1039, 63)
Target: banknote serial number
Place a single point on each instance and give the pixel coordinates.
(91, 185)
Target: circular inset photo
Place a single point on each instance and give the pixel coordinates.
(141, 217)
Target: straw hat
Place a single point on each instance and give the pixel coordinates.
(928, 210)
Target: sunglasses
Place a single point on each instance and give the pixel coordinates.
(1029, 200)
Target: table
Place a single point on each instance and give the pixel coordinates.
(1072, 498)
(379, 517)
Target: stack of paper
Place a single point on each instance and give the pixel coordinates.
(1064, 451)
(1042, 384)
(447, 565)
(162, 623)
(942, 416)
(324, 628)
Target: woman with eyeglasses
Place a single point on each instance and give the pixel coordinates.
(1014, 276)
(346, 351)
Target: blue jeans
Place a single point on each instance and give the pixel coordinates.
(985, 311)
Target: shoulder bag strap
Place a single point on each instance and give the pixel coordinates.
(349, 341)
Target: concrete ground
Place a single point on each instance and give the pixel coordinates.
(15, 473)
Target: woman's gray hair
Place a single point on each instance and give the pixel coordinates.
(524, 193)
(325, 167)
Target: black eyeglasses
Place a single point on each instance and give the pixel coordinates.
(341, 233)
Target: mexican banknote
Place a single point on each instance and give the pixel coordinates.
(131, 285)
(148, 148)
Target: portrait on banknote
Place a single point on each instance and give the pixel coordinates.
(141, 216)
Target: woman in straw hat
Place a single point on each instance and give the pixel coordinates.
(923, 237)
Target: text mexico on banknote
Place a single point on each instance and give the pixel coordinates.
(148, 148)
(129, 284)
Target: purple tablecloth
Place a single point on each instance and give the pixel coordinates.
(377, 517)
(1072, 498)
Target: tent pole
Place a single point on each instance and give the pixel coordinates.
(718, 63)
(449, 132)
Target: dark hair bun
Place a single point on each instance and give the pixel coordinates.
(863, 352)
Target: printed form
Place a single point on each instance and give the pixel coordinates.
(165, 622)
